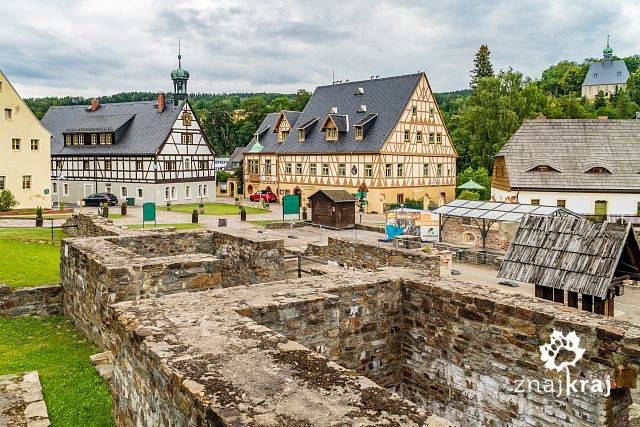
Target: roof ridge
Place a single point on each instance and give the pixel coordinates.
(372, 80)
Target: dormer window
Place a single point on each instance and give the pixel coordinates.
(595, 75)
(359, 91)
(334, 110)
(598, 169)
(362, 109)
(282, 135)
(619, 73)
(543, 168)
(359, 132)
(332, 134)
(301, 135)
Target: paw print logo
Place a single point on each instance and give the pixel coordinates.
(559, 341)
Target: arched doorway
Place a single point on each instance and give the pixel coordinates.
(232, 189)
(250, 189)
(268, 188)
(298, 192)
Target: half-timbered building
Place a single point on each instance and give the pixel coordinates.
(151, 151)
(387, 134)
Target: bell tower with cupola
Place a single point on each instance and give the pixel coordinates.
(180, 78)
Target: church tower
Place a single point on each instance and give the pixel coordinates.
(180, 78)
(607, 54)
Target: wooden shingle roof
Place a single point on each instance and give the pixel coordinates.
(572, 147)
(569, 253)
(338, 196)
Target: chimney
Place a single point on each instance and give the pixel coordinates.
(160, 102)
(95, 104)
(603, 117)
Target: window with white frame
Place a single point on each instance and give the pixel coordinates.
(166, 193)
(107, 165)
(187, 163)
(140, 193)
(26, 182)
(7, 113)
(174, 193)
(54, 188)
(107, 188)
(124, 191)
(187, 138)
(15, 144)
(204, 190)
(187, 192)
(65, 189)
(200, 190)
(139, 165)
(35, 144)
(3, 182)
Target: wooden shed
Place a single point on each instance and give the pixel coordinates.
(333, 209)
(571, 259)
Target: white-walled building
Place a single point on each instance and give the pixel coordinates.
(586, 166)
(151, 151)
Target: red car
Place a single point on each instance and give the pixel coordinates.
(263, 194)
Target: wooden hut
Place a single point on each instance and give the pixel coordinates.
(333, 209)
(573, 256)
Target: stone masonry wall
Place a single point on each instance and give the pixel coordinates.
(499, 236)
(32, 301)
(466, 348)
(90, 225)
(358, 327)
(372, 256)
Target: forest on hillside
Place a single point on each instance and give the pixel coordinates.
(480, 120)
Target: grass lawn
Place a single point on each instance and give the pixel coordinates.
(116, 216)
(74, 393)
(215, 209)
(185, 226)
(24, 261)
(264, 222)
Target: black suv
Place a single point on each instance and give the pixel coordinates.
(98, 199)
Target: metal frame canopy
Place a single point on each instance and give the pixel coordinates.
(491, 212)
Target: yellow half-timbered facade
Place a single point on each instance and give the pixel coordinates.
(387, 134)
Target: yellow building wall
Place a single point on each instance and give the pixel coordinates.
(590, 92)
(14, 164)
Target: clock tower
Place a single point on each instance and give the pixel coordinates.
(180, 78)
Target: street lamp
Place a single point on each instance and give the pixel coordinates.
(58, 178)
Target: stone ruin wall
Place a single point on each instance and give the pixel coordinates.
(32, 301)
(499, 236)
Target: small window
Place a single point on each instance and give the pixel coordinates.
(439, 138)
(400, 170)
(595, 75)
(107, 188)
(332, 134)
(325, 169)
(439, 169)
(204, 164)
(313, 169)
(94, 139)
(7, 113)
(204, 190)
(124, 191)
(65, 189)
(287, 168)
(431, 137)
(419, 137)
(432, 113)
(599, 169)
(139, 165)
(107, 165)
(407, 136)
(414, 110)
(359, 132)
(298, 168)
(3, 182)
(187, 138)
(368, 170)
(619, 73)
(425, 169)
(187, 192)
(35, 144)
(54, 188)
(140, 193)
(187, 163)
(15, 144)
(561, 203)
(285, 134)
(0, 86)
(167, 193)
(535, 202)
(85, 165)
(300, 135)
(267, 167)
(26, 182)
(67, 140)
(342, 169)
(174, 193)
(388, 170)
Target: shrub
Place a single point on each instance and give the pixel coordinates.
(195, 212)
(39, 212)
(61, 205)
(469, 195)
(7, 201)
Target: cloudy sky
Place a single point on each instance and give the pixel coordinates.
(94, 48)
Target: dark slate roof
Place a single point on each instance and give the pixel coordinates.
(309, 124)
(338, 196)
(386, 96)
(236, 157)
(606, 73)
(292, 117)
(573, 147)
(567, 253)
(268, 140)
(145, 134)
(93, 123)
(341, 121)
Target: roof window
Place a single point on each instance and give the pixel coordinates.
(362, 108)
(334, 110)
(359, 91)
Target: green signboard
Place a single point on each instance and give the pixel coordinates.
(290, 205)
(148, 212)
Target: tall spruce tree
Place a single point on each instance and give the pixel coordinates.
(481, 66)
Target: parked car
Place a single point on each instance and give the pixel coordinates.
(98, 199)
(263, 194)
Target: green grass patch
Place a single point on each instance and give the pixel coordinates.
(117, 216)
(215, 209)
(264, 222)
(74, 393)
(185, 226)
(29, 256)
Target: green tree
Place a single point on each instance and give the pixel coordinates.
(481, 66)
(280, 104)
(571, 81)
(632, 63)
(222, 176)
(7, 201)
(254, 109)
(469, 195)
(600, 100)
(633, 87)
(480, 176)
(300, 100)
